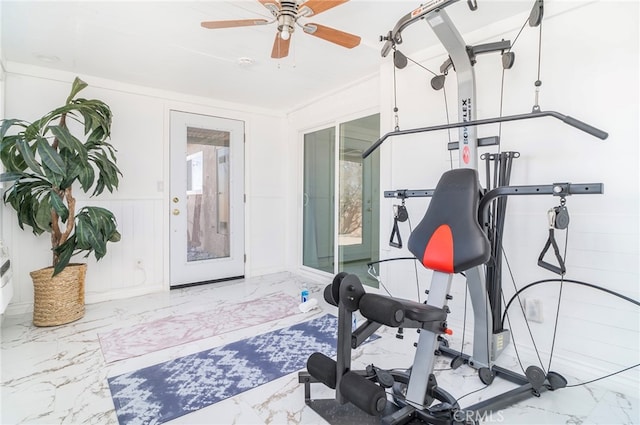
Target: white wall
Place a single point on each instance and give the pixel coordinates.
(2, 96)
(589, 71)
(140, 121)
(6, 291)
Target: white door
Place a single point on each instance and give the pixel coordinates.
(207, 198)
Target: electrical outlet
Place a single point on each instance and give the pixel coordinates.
(533, 310)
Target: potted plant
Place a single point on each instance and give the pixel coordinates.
(46, 161)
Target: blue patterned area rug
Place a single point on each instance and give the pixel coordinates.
(159, 393)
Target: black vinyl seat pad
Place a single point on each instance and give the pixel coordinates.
(449, 238)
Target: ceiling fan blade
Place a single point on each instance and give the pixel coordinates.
(272, 5)
(313, 7)
(333, 35)
(280, 47)
(233, 23)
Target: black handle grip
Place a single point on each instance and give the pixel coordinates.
(585, 127)
(551, 267)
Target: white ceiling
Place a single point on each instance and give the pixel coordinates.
(161, 44)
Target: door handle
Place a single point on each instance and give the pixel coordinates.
(176, 211)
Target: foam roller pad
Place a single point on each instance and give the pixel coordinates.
(323, 369)
(381, 309)
(363, 393)
(328, 296)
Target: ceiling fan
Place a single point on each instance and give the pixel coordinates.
(286, 13)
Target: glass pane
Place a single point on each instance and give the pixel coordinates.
(318, 202)
(207, 194)
(350, 219)
(359, 200)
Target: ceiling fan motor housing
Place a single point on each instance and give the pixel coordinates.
(287, 15)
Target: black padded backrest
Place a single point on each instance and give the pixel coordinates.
(449, 238)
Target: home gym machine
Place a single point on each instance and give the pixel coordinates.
(457, 234)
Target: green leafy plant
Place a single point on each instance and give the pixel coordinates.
(44, 160)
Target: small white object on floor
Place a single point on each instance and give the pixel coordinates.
(308, 305)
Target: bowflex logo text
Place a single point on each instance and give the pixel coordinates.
(466, 116)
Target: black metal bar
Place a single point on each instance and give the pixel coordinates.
(305, 378)
(343, 357)
(363, 332)
(495, 46)
(557, 189)
(564, 118)
(549, 189)
(505, 399)
(405, 193)
(503, 373)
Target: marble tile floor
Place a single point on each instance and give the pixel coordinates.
(59, 375)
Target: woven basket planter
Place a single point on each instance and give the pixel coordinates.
(60, 299)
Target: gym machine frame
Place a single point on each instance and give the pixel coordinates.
(489, 339)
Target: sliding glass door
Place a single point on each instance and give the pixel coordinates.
(341, 233)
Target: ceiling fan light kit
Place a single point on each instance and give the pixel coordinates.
(287, 18)
(286, 13)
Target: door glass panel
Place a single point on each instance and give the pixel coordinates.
(359, 197)
(207, 194)
(318, 200)
(350, 218)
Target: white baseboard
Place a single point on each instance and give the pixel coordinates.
(249, 273)
(99, 297)
(319, 277)
(15, 309)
